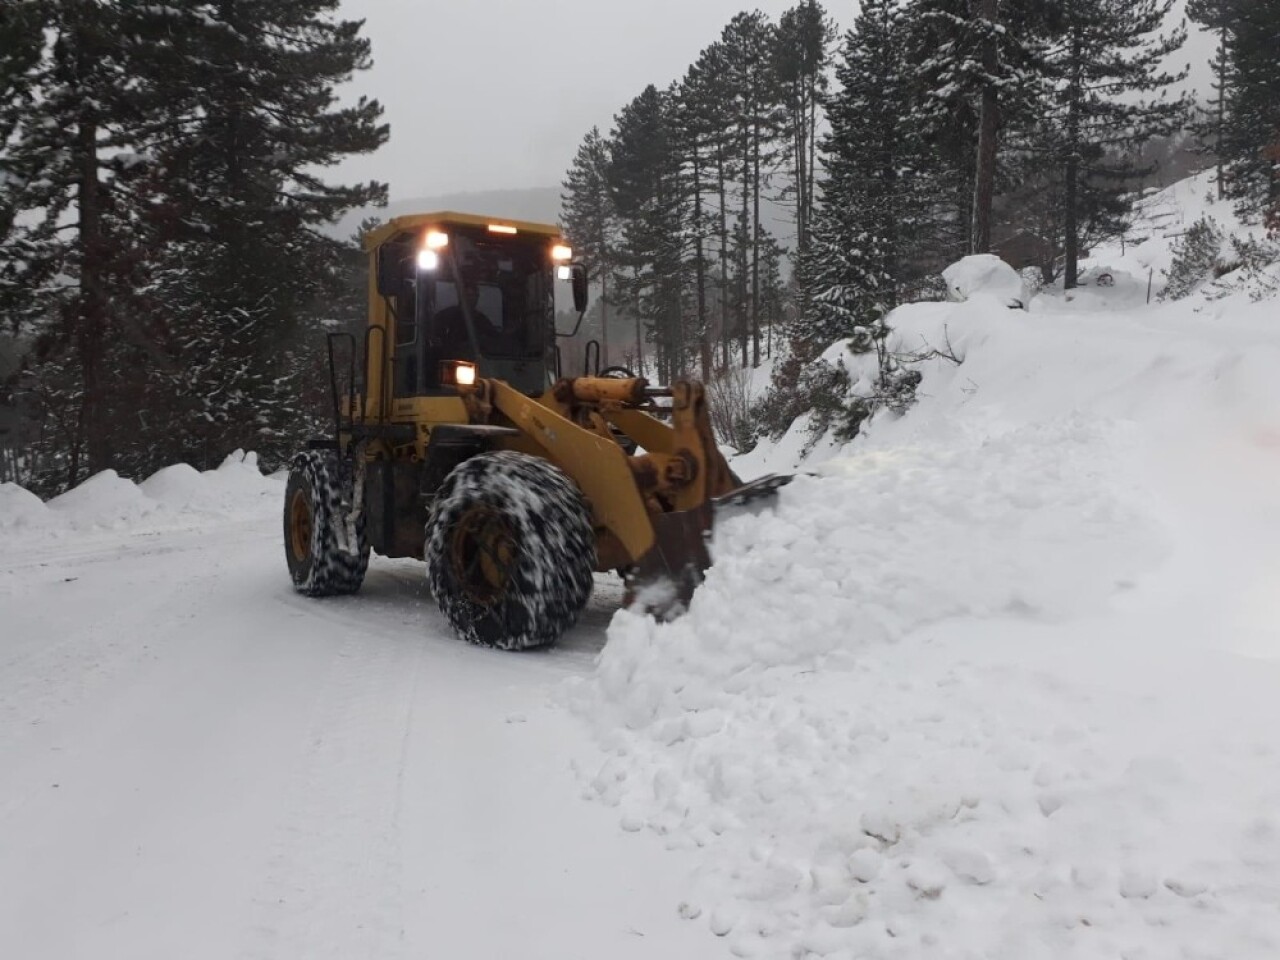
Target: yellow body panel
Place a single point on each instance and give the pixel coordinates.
(597, 464)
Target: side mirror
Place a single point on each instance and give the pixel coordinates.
(392, 257)
(581, 296)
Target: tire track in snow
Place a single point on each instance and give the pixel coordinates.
(333, 886)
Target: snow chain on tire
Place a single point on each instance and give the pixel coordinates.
(510, 551)
(324, 530)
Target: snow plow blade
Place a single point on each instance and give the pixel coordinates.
(663, 582)
(762, 488)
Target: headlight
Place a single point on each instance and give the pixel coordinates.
(560, 252)
(564, 272)
(436, 240)
(457, 373)
(428, 259)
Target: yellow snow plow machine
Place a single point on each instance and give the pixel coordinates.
(463, 443)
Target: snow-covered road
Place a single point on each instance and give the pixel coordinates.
(199, 763)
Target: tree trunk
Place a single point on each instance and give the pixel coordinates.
(91, 306)
(604, 316)
(755, 248)
(724, 260)
(988, 131)
(743, 260)
(1072, 220)
(700, 268)
(639, 347)
(1222, 99)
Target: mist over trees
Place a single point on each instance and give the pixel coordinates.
(930, 130)
(162, 262)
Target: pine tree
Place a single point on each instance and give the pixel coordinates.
(644, 173)
(21, 45)
(748, 43)
(697, 138)
(1218, 16)
(1251, 140)
(1108, 51)
(981, 73)
(801, 56)
(870, 207)
(81, 273)
(590, 220)
(705, 102)
(244, 112)
(945, 112)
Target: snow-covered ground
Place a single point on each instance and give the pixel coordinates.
(1003, 679)
(999, 680)
(196, 762)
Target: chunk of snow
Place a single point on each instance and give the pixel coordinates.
(985, 275)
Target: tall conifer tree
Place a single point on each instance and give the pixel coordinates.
(1111, 95)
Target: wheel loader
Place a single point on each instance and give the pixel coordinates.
(458, 439)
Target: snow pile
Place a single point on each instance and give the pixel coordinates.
(20, 508)
(236, 488)
(174, 497)
(985, 275)
(105, 500)
(972, 692)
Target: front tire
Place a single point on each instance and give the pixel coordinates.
(327, 551)
(510, 551)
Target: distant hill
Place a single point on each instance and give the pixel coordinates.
(540, 204)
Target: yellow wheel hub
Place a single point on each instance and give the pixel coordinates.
(483, 552)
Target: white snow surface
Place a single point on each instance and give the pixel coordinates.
(198, 763)
(1000, 680)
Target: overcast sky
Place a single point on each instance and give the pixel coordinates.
(491, 94)
(496, 94)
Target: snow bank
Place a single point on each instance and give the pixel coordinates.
(105, 500)
(20, 509)
(176, 496)
(236, 487)
(953, 697)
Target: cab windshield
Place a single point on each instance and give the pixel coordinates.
(487, 301)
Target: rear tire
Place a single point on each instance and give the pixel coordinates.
(510, 551)
(327, 556)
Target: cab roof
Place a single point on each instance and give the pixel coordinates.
(449, 218)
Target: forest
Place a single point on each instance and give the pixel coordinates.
(795, 185)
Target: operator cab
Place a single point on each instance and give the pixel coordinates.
(466, 298)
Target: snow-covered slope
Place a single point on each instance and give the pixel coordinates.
(1145, 254)
(1001, 681)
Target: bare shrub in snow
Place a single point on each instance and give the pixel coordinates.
(731, 406)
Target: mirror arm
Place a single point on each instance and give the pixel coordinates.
(576, 326)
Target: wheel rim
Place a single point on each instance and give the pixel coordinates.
(483, 551)
(300, 526)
